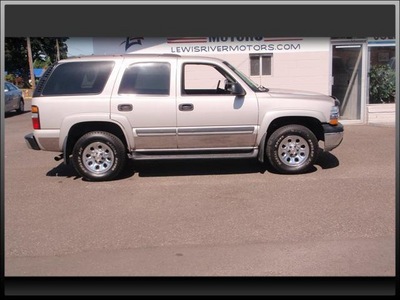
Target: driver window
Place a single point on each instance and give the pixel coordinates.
(204, 79)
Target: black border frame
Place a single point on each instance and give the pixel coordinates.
(201, 286)
(258, 19)
(312, 20)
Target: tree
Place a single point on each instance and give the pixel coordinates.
(44, 52)
(30, 61)
(15, 56)
(47, 47)
(42, 64)
(382, 84)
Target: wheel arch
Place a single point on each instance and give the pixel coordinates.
(80, 129)
(311, 123)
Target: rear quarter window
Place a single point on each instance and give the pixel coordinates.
(146, 79)
(78, 78)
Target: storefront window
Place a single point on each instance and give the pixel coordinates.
(382, 74)
(347, 70)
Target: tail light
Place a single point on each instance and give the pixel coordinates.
(35, 117)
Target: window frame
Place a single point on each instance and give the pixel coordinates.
(260, 58)
(216, 67)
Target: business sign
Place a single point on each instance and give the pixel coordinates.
(208, 45)
(381, 41)
(233, 45)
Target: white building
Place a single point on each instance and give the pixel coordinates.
(331, 66)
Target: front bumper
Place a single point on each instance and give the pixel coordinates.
(31, 142)
(333, 136)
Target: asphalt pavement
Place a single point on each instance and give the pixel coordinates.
(203, 218)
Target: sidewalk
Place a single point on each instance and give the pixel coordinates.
(382, 124)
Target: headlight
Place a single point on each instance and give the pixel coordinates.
(335, 112)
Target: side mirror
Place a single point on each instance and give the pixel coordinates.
(236, 89)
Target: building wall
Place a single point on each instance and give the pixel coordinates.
(300, 71)
(297, 63)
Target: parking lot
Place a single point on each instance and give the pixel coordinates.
(211, 218)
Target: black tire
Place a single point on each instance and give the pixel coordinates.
(21, 107)
(99, 156)
(292, 149)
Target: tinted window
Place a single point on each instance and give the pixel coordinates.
(78, 78)
(146, 78)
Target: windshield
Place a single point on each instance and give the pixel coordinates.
(254, 86)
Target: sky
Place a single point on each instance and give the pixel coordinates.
(78, 46)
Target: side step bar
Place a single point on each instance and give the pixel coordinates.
(191, 155)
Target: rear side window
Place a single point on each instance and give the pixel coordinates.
(146, 78)
(10, 87)
(78, 78)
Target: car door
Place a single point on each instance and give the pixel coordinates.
(145, 95)
(9, 96)
(209, 116)
(15, 96)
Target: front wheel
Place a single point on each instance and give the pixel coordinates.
(292, 149)
(99, 156)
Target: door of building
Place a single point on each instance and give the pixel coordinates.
(347, 75)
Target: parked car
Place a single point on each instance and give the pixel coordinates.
(100, 111)
(14, 99)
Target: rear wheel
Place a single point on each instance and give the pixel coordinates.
(21, 106)
(99, 156)
(292, 149)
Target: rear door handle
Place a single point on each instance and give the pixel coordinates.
(125, 107)
(186, 107)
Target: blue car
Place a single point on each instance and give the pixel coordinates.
(13, 98)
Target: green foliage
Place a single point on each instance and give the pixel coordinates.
(15, 56)
(10, 78)
(46, 47)
(382, 84)
(44, 53)
(42, 63)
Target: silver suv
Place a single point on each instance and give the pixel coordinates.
(99, 111)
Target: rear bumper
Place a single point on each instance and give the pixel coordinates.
(31, 142)
(333, 136)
